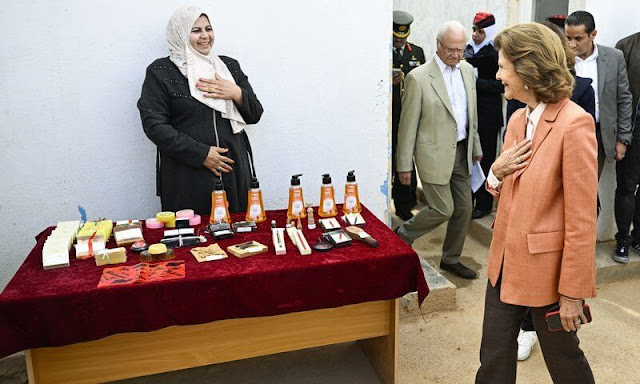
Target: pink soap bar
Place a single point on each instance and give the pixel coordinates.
(186, 213)
(195, 220)
(153, 223)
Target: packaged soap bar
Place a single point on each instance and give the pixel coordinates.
(111, 256)
(128, 233)
(101, 227)
(210, 253)
(248, 248)
(88, 246)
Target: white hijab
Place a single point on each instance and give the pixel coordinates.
(194, 65)
(489, 34)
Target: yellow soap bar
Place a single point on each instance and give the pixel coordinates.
(165, 217)
(168, 218)
(157, 249)
(102, 227)
(111, 256)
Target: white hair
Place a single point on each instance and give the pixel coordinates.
(451, 26)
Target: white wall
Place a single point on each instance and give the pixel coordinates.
(614, 19)
(429, 15)
(70, 132)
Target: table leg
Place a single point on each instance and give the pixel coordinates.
(383, 351)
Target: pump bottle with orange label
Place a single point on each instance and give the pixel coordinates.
(296, 200)
(351, 198)
(327, 206)
(255, 207)
(219, 204)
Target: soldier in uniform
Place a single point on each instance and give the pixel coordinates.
(406, 56)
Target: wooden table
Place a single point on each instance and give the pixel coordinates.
(128, 355)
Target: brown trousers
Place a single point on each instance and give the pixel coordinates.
(499, 350)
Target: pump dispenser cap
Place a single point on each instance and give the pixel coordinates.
(351, 176)
(254, 183)
(217, 185)
(326, 178)
(295, 179)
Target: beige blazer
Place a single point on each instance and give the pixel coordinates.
(544, 234)
(428, 131)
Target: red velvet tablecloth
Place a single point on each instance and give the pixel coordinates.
(63, 306)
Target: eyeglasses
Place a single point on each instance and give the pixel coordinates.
(451, 51)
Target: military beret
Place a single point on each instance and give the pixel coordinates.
(483, 20)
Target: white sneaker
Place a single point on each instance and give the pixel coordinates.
(526, 341)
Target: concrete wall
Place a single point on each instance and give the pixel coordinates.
(72, 71)
(428, 15)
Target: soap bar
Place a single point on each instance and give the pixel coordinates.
(210, 253)
(301, 243)
(353, 219)
(128, 233)
(248, 248)
(83, 250)
(187, 213)
(277, 236)
(55, 251)
(101, 227)
(329, 224)
(179, 232)
(168, 218)
(111, 256)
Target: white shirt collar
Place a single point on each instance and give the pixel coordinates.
(441, 64)
(591, 57)
(536, 114)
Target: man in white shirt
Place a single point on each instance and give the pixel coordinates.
(607, 68)
(439, 129)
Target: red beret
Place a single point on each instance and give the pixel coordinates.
(484, 20)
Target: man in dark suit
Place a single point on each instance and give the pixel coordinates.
(608, 70)
(483, 56)
(627, 204)
(406, 56)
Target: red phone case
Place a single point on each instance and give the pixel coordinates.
(553, 317)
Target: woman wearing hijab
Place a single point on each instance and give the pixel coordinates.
(542, 252)
(483, 56)
(195, 106)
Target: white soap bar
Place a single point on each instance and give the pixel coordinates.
(82, 249)
(55, 259)
(122, 222)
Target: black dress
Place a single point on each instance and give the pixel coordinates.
(182, 129)
(489, 96)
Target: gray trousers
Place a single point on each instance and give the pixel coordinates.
(449, 202)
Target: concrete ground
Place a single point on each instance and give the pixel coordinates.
(442, 348)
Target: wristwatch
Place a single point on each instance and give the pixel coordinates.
(625, 142)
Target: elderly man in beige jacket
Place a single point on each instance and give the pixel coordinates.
(439, 129)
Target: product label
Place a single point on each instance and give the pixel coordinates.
(350, 202)
(350, 197)
(328, 204)
(296, 204)
(220, 212)
(254, 210)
